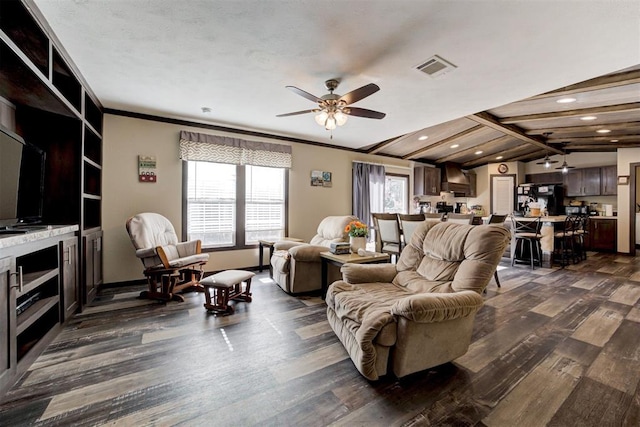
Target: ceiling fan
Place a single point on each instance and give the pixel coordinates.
(333, 110)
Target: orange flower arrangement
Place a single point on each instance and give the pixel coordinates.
(356, 229)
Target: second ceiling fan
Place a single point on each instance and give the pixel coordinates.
(334, 109)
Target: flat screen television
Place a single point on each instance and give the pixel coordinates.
(22, 167)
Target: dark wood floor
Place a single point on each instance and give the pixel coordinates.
(557, 347)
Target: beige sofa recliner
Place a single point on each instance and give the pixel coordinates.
(297, 267)
(418, 313)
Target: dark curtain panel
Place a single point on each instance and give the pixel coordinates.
(368, 191)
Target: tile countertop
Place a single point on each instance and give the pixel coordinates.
(8, 240)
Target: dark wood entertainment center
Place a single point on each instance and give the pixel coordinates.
(53, 108)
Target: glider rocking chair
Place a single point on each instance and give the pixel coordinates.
(169, 265)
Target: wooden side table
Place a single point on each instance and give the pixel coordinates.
(269, 244)
(327, 258)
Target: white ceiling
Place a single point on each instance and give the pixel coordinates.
(170, 58)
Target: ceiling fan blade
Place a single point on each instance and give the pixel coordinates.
(297, 112)
(363, 112)
(304, 94)
(360, 93)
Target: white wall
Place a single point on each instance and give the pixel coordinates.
(123, 196)
(626, 156)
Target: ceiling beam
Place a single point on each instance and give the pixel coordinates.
(587, 128)
(470, 150)
(493, 122)
(525, 157)
(620, 108)
(506, 154)
(384, 144)
(600, 147)
(605, 82)
(570, 140)
(452, 138)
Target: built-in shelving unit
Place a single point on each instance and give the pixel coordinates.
(34, 274)
(55, 110)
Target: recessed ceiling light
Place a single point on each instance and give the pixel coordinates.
(499, 157)
(614, 140)
(566, 100)
(603, 131)
(478, 152)
(588, 118)
(455, 146)
(206, 110)
(423, 137)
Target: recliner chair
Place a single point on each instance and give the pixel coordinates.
(297, 266)
(410, 316)
(170, 266)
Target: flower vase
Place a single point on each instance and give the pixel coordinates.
(357, 243)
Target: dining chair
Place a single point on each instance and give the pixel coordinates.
(496, 219)
(433, 215)
(460, 218)
(388, 233)
(408, 223)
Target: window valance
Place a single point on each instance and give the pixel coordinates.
(222, 149)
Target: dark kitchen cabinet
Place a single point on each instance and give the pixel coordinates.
(609, 180)
(426, 181)
(583, 182)
(602, 234)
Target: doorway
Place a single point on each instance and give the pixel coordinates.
(502, 194)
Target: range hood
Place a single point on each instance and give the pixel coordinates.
(453, 180)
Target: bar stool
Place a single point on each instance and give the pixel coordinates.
(565, 242)
(527, 231)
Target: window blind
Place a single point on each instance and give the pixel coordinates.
(235, 151)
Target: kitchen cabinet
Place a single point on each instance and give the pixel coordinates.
(583, 182)
(609, 181)
(426, 181)
(602, 234)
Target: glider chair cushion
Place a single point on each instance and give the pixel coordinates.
(297, 266)
(170, 265)
(417, 313)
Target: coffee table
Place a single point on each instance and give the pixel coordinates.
(327, 258)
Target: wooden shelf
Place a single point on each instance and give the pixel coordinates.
(35, 279)
(34, 313)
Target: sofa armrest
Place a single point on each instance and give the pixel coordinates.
(435, 307)
(367, 273)
(306, 252)
(285, 245)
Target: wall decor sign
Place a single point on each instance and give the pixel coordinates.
(147, 169)
(623, 180)
(320, 179)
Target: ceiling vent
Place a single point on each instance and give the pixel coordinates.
(436, 66)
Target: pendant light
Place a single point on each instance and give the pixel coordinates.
(547, 162)
(565, 166)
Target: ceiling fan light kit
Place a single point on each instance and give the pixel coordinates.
(333, 110)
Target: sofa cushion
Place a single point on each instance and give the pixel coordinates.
(280, 261)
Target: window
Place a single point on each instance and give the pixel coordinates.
(234, 206)
(396, 194)
(264, 204)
